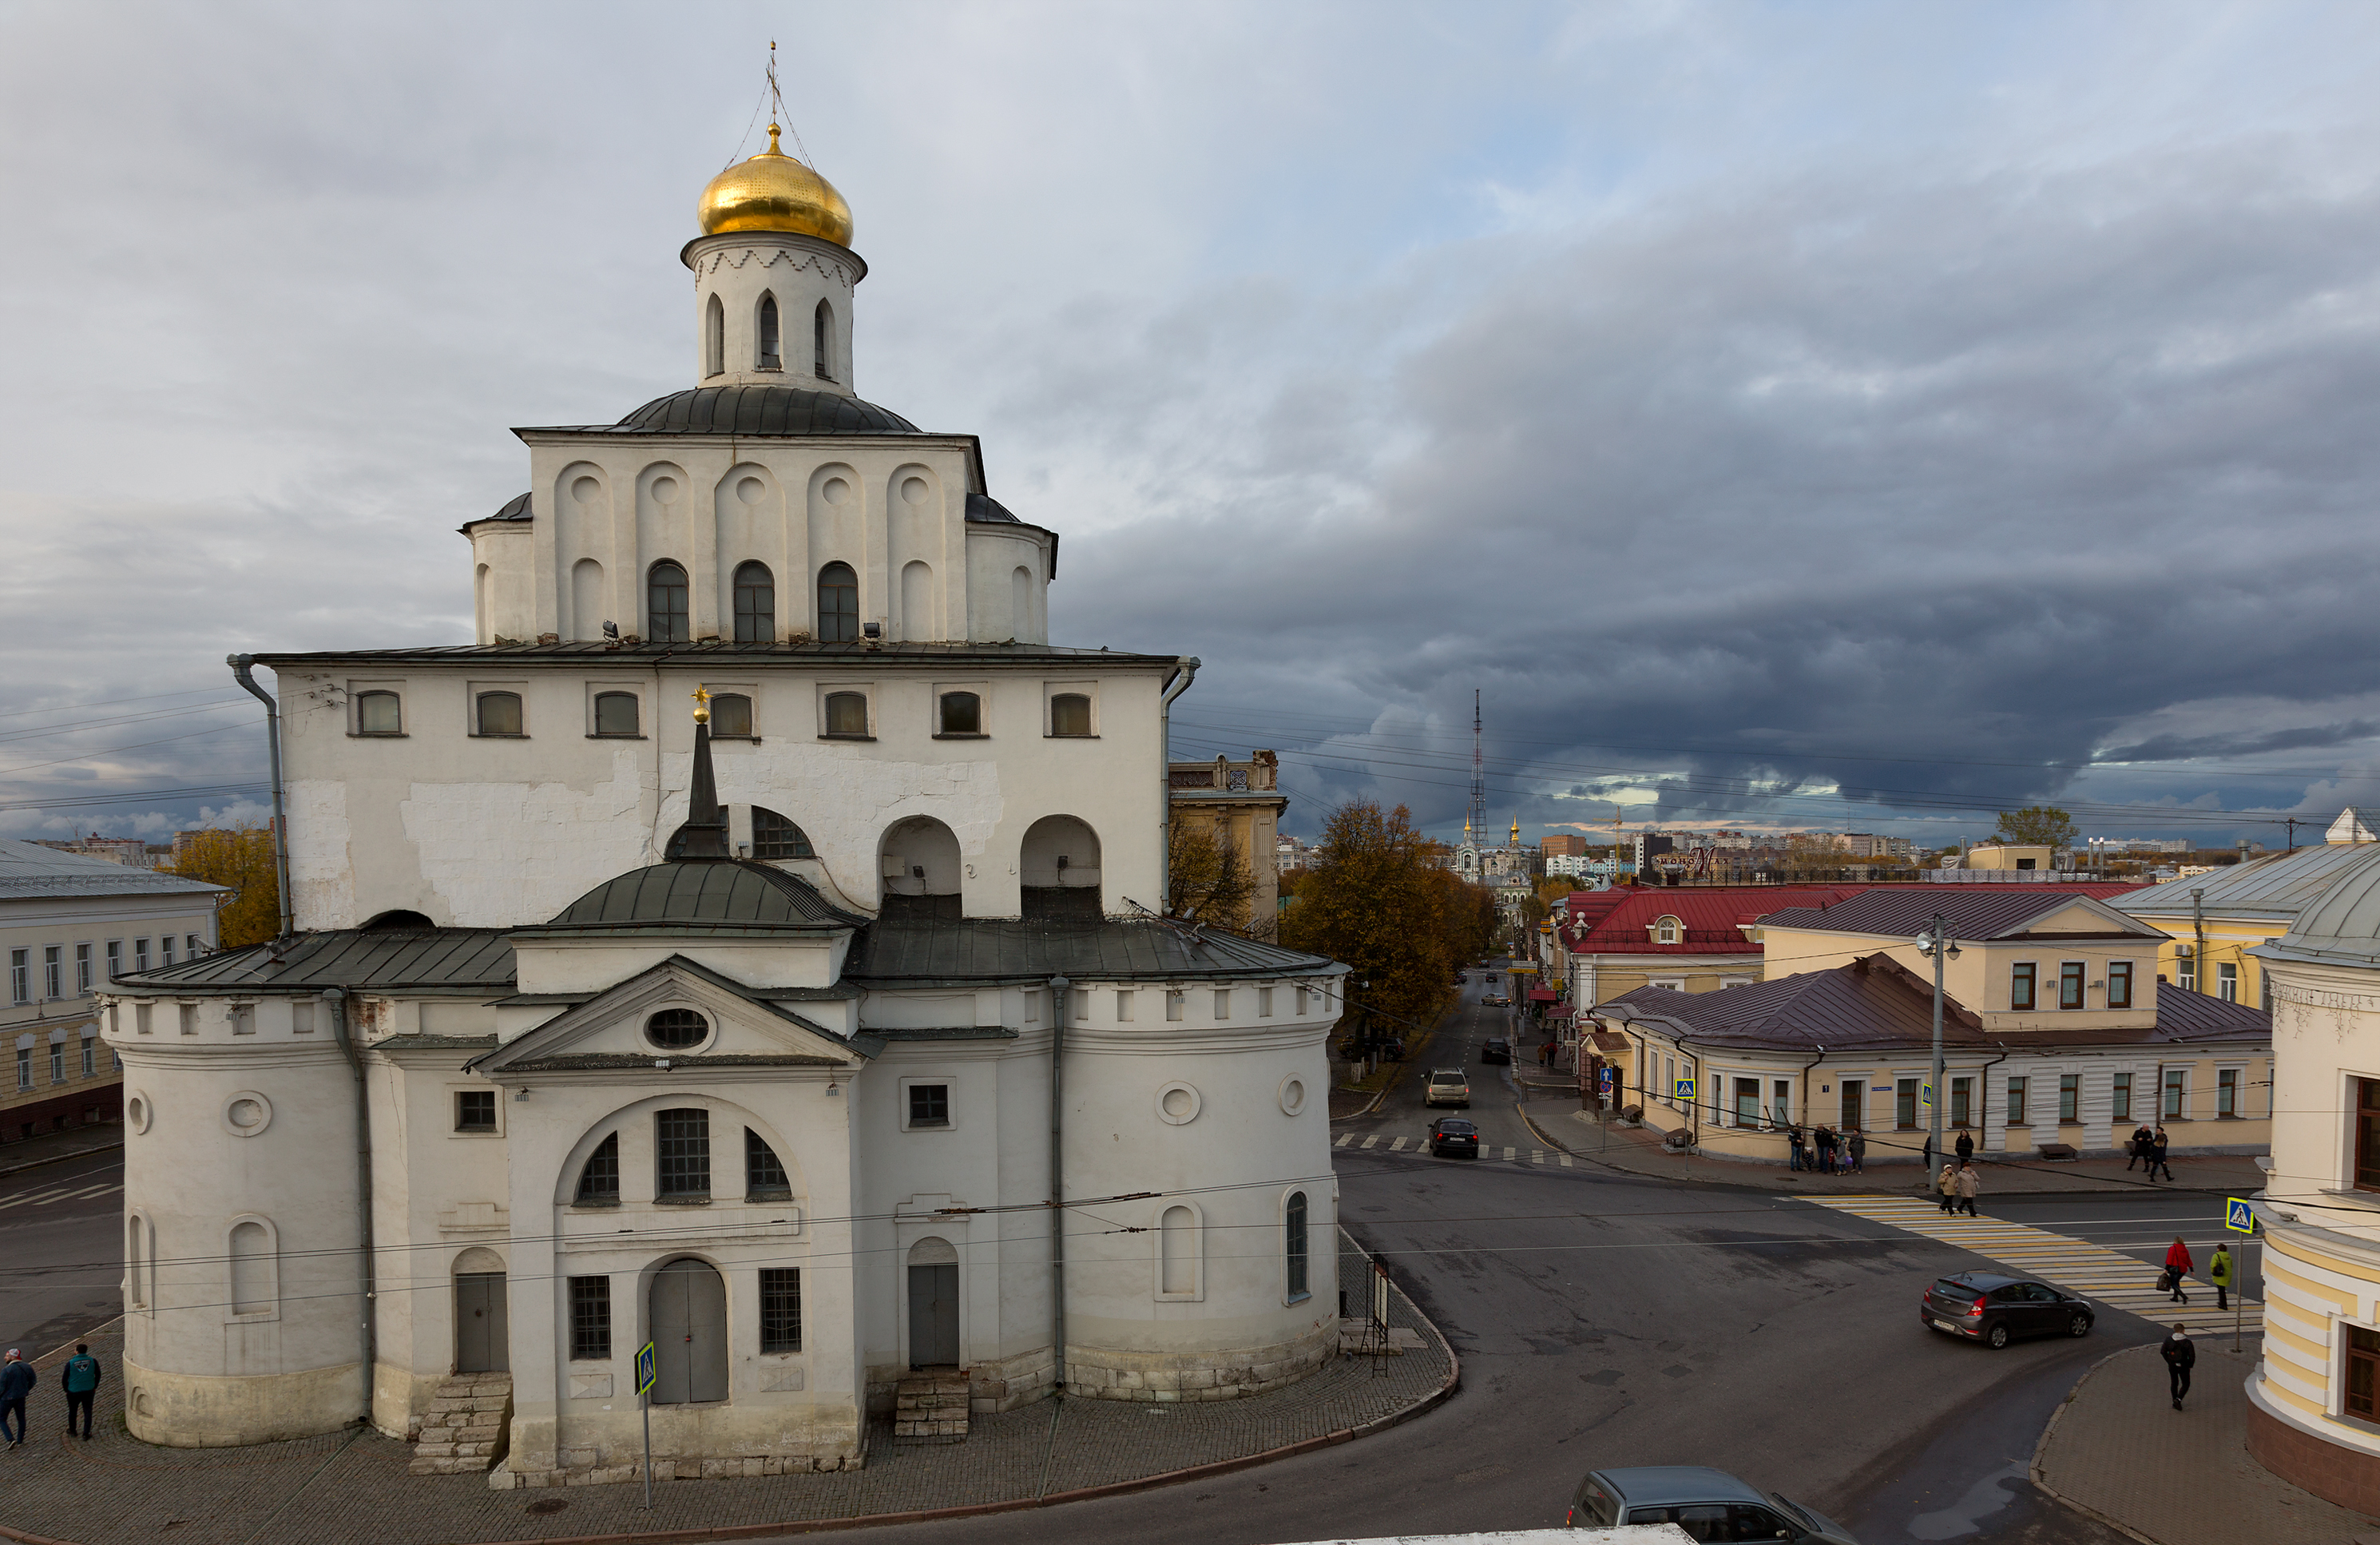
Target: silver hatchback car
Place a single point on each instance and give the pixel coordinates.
(1708, 1505)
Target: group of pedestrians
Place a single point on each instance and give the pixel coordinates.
(1959, 1185)
(1827, 1151)
(80, 1378)
(2148, 1146)
(2178, 1267)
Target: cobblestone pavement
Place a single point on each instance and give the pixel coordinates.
(2118, 1449)
(352, 1486)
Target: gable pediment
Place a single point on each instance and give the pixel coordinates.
(615, 1028)
(2083, 915)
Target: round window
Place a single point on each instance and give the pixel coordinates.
(677, 1028)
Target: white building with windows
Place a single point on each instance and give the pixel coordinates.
(768, 1039)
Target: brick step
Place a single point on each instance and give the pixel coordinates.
(930, 1406)
(467, 1427)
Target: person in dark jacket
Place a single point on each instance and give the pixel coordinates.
(1966, 1146)
(2181, 1354)
(1857, 1149)
(2156, 1155)
(16, 1380)
(2139, 1147)
(1793, 1144)
(80, 1377)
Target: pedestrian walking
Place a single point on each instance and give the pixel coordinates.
(2157, 1146)
(1858, 1150)
(2139, 1147)
(16, 1380)
(1971, 1183)
(1794, 1143)
(1828, 1143)
(2178, 1267)
(1946, 1183)
(1966, 1146)
(2181, 1354)
(80, 1377)
(2218, 1272)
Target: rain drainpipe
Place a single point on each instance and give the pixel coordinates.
(2200, 970)
(337, 999)
(1058, 986)
(1804, 1111)
(239, 665)
(1187, 669)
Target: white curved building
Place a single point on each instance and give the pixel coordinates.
(599, 1027)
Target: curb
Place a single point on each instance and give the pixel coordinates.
(2049, 1429)
(116, 1147)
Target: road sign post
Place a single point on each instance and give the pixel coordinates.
(2239, 1217)
(645, 1377)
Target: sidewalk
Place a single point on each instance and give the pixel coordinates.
(1557, 1118)
(352, 1486)
(49, 1147)
(2117, 1451)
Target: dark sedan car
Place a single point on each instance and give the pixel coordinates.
(1707, 1503)
(1448, 1135)
(1995, 1309)
(1496, 1050)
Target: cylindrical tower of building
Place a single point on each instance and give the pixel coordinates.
(774, 275)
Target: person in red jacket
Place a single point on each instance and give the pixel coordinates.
(2178, 1267)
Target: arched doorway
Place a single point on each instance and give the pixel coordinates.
(921, 859)
(688, 1304)
(933, 1304)
(482, 1343)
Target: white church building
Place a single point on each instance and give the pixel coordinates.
(767, 1040)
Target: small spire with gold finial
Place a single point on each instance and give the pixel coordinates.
(703, 705)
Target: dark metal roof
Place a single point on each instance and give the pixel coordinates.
(472, 960)
(898, 950)
(1975, 912)
(941, 1032)
(589, 1062)
(647, 656)
(729, 895)
(751, 411)
(517, 509)
(983, 506)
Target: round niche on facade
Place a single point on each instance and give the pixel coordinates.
(137, 1112)
(1292, 1095)
(246, 1113)
(1177, 1104)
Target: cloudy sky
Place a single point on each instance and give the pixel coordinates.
(1845, 416)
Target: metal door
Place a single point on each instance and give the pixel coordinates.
(481, 1345)
(689, 1334)
(933, 1315)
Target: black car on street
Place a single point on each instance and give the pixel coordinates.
(1449, 1135)
(1994, 1308)
(1498, 1051)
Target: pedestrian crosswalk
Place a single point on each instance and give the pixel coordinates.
(1417, 1147)
(42, 1197)
(2104, 1276)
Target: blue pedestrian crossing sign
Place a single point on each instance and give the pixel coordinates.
(2238, 1215)
(1926, 1095)
(645, 1374)
(1685, 1089)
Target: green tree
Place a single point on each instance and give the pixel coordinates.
(1378, 902)
(2036, 826)
(241, 858)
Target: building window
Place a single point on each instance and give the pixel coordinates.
(781, 1308)
(252, 1269)
(1264, 1003)
(838, 604)
(500, 714)
(771, 354)
(2227, 1089)
(846, 713)
(599, 1180)
(684, 1154)
(1961, 1092)
(1852, 1114)
(115, 958)
(2177, 1091)
(1070, 713)
(2069, 1098)
(2120, 984)
(2185, 972)
(82, 970)
(243, 1018)
(24, 1068)
(190, 1017)
(20, 977)
(822, 342)
(962, 713)
(756, 605)
(2021, 985)
(1222, 1002)
(615, 714)
(2069, 984)
(54, 971)
(731, 717)
(764, 1173)
(665, 620)
(2122, 1111)
(1747, 1101)
(91, 1057)
(590, 1319)
(775, 837)
(379, 713)
(1174, 1004)
(674, 1029)
(714, 338)
(2227, 983)
(1293, 1240)
(139, 955)
(140, 1019)
(1666, 931)
(929, 1105)
(475, 1109)
(2362, 1363)
(165, 944)
(58, 1062)
(1780, 1101)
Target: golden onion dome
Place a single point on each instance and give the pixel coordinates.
(774, 192)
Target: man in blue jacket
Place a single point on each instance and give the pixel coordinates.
(80, 1377)
(16, 1384)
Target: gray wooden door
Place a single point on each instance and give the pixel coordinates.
(933, 1315)
(481, 1345)
(689, 1332)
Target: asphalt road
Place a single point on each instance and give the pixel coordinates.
(61, 1250)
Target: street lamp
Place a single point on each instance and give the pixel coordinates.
(1936, 941)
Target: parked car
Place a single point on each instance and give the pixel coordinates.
(1453, 1135)
(1448, 1086)
(1461, 977)
(1496, 1000)
(1994, 1308)
(1705, 1504)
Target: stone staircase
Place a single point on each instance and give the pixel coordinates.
(931, 1407)
(464, 1431)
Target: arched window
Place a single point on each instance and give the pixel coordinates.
(615, 714)
(674, 1029)
(962, 714)
(1020, 603)
(770, 353)
(665, 603)
(379, 713)
(756, 605)
(775, 837)
(599, 1182)
(846, 713)
(764, 1173)
(253, 1287)
(838, 604)
(1294, 1243)
(822, 342)
(1666, 931)
(731, 717)
(1177, 1257)
(714, 338)
(500, 714)
(1070, 713)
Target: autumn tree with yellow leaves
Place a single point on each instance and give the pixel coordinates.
(241, 858)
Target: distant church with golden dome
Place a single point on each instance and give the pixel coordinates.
(733, 949)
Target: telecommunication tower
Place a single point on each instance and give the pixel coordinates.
(1475, 822)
